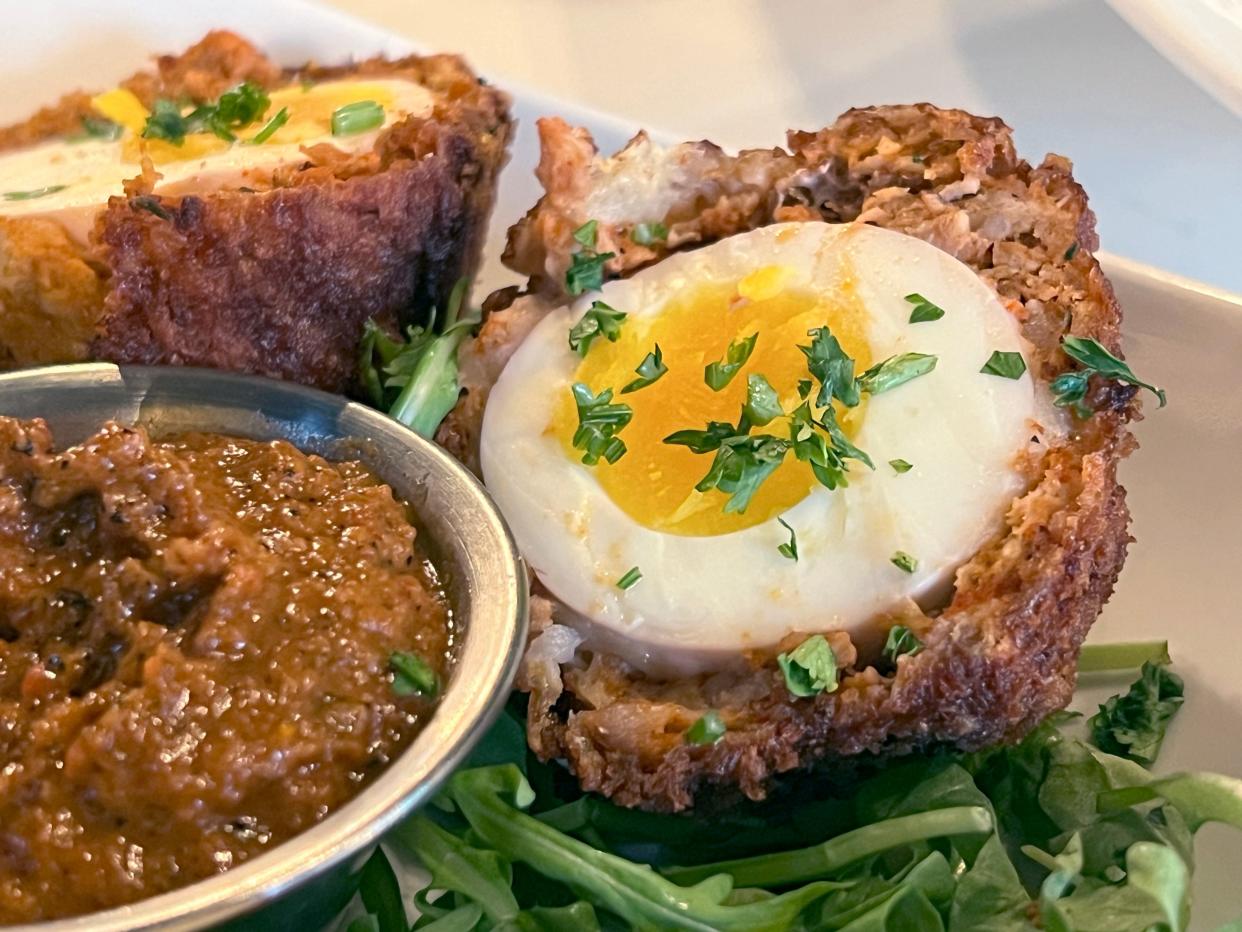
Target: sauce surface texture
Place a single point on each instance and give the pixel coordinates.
(195, 637)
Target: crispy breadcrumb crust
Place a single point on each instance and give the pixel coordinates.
(1002, 654)
(278, 275)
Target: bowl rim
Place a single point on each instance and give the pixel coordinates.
(492, 647)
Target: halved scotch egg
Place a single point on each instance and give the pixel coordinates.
(812, 451)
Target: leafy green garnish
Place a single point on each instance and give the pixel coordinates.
(648, 234)
(742, 463)
(903, 561)
(924, 310)
(33, 193)
(708, 729)
(275, 123)
(1005, 364)
(1133, 725)
(1071, 251)
(358, 117)
(586, 266)
(1070, 388)
(762, 403)
(236, 108)
(411, 675)
(632, 575)
(166, 122)
(834, 369)
(415, 380)
(381, 895)
(94, 127)
(151, 204)
(587, 234)
(810, 668)
(896, 370)
(719, 374)
(599, 320)
(599, 420)
(703, 441)
(901, 640)
(649, 371)
(788, 550)
(900, 466)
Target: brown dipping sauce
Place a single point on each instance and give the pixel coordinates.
(194, 656)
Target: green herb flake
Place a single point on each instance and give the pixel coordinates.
(903, 561)
(587, 234)
(703, 441)
(924, 310)
(166, 122)
(832, 367)
(586, 267)
(804, 388)
(1071, 252)
(358, 117)
(599, 421)
(151, 204)
(788, 550)
(708, 729)
(33, 194)
(896, 370)
(900, 466)
(632, 576)
(762, 403)
(1133, 725)
(94, 127)
(743, 462)
(810, 668)
(275, 123)
(411, 675)
(901, 640)
(650, 371)
(599, 320)
(648, 234)
(1070, 388)
(719, 374)
(1004, 364)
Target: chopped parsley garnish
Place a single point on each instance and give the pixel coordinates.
(719, 374)
(811, 444)
(903, 561)
(709, 729)
(1071, 252)
(586, 266)
(358, 117)
(1006, 365)
(1133, 725)
(703, 441)
(924, 310)
(810, 668)
(789, 550)
(900, 466)
(834, 369)
(411, 675)
(1070, 388)
(166, 122)
(632, 576)
(762, 403)
(650, 370)
(598, 423)
(599, 320)
(901, 640)
(151, 204)
(275, 123)
(647, 234)
(804, 388)
(236, 108)
(742, 463)
(894, 371)
(32, 194)
(94, 127)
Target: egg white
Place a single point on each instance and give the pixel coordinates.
(703, 600)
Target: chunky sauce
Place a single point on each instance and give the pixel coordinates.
(194, 656)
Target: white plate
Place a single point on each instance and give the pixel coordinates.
(1182, 581)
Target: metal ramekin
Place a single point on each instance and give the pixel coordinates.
(302, 883)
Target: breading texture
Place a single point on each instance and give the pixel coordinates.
(1002, 654)
(277, 275)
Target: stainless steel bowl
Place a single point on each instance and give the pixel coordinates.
(302, 883)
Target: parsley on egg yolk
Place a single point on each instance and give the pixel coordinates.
(654, 483)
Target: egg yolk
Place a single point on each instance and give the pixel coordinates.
(654, 482)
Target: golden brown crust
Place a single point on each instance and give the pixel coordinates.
(1002, 654)
(278, 279)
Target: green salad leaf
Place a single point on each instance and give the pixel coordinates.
(1133, 725)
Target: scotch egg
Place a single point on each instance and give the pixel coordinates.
(680, 579)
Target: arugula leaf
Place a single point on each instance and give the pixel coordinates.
(411, 676)
(810, 668)
(719, 374)
(1133, 725)
(903, 561)
(790, 549)
(1004, 364)
(708, 729)
(1093, 357)
(901, 640)
(742, 463)
(381, 894)
(834, 369)
(361, 116)
(632, 576)
(599, 320)
(900, 466)
(924, 310)
(648, 234)
(896, 370)
(650, 370)
(598, 424)
(762, 403)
